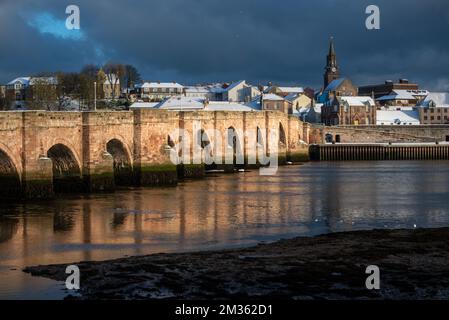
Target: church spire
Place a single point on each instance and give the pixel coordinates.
(332, 71)
(331, 46)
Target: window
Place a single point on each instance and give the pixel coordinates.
(425, 117)
(432, 118)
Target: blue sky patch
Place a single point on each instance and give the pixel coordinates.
(46, 23)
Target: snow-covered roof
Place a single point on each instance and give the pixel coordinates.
(291, 89)
(397, 117)
(272, 97)
(398, 95)
(227, 106)
(144, 104)
(181, 103)
(317, 107)
(46, 80)
(22, 80)
(161, 85)
(440, 99)
(197, 89)
(357, 100)
(235, 84)
(193, 104)
(292, 96)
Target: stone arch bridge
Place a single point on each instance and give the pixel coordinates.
(43, 153)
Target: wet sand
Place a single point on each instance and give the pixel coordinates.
(414, 264)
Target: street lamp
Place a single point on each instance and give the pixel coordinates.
(95, 96)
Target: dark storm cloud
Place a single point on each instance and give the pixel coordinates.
(284, 41)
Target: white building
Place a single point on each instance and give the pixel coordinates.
(157, 91)
(240, 91)
(213, 92)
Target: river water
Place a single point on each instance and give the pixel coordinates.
(221, 211)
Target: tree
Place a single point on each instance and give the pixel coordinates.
(43, 94)
(87, 77)
(131, 76)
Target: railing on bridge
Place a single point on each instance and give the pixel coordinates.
(351, 152)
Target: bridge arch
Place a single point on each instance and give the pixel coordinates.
(66, 169)
(10, 183)
(123, 172)
(234, 141)
(282, 136)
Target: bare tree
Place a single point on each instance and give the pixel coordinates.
(43, 94)
(114, 72)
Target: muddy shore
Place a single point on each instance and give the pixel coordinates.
(414, 264)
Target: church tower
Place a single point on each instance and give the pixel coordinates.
(331, 68)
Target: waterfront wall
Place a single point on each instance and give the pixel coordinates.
(342, 152)
(377, 134)
(46, 152)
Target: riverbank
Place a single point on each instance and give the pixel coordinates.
(414, 264)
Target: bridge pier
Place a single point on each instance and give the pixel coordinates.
(38, 184)
(101, 177)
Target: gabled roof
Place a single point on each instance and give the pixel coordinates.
(292, 96)
(398, 95)
(235, 84)
(357, 100)
(22, 80)
(160, 85)
(441, 99)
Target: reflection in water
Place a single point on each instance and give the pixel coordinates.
(221, 211)
(8, 227)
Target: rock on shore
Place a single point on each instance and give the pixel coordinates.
(414, 264)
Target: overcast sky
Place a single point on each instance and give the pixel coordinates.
(192, 41)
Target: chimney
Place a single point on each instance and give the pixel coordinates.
(404, 81)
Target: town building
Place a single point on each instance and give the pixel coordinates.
(213, 92)
(111, 87)
(299, 100)
(157, 91)
(349, 111)
(284, 91)
(434, 109)
(402, 98)
(16, 89)
(240, 91)
(272, 101)
(311, 114)
(385, 89)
